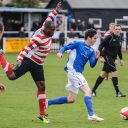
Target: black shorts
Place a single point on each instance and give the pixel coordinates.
(109, 65)
(28, 65)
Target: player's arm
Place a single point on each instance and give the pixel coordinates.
(93, 59)
(120, 56)
(52, 14)
(65, 48)
(120, 53)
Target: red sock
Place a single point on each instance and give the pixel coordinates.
(7, 67)
(41, 96)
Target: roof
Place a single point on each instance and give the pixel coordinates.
(14, 9)
(100, 4)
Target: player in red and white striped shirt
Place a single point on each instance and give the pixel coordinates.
(110, 30)
(31, 59)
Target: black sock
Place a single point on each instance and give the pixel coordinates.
(98, 82)
(115, 83)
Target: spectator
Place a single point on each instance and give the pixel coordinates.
(69, 18)
(80, 25)
(73, 24)
(72, 34)
(90, 24)
(61, 39)
(35, 26)
(21, 33)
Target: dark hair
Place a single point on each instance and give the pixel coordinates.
(111, 24)
(118, 25)
(48, 24)
(1, 27)
(90, 33)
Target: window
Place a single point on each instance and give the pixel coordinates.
(122, 22)
(97, 22)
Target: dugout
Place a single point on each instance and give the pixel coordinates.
(13, 18)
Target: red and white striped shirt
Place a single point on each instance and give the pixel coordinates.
(40, 44)
(107, 33)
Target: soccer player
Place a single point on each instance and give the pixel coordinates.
(109, 49)
(80, 53)
(32, 58)
(110, 30)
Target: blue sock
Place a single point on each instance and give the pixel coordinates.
(88, 102)
(59, 100)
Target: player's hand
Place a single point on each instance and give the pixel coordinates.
(116, 62)
(58, 6)
(97, 53)
(2, 88)
(59, 55)
(102, 60)
(121, 62)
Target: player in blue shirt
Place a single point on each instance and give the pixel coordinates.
(80, 53)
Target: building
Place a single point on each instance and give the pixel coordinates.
(102, 12)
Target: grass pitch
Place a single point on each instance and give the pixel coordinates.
(19, 107)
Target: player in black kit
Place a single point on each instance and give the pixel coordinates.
(109, 49)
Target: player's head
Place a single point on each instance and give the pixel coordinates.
(49, 28)
(111, 27)
(1, 29)
(117, 29)
(90, 36)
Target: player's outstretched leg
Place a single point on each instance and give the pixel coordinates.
(7, 67)
(89, 106)
(59, 100)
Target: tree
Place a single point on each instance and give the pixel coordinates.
(26, 3)
(1, 2)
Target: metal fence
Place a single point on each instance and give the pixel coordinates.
(56, 45)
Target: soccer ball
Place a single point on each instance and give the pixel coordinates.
(124, 113)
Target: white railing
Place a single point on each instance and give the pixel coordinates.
(55, 44)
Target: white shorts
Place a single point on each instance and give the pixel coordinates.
(75, 81)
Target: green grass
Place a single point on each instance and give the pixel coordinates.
(19, 107)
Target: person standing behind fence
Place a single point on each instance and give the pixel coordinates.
(21, 33)
(61, 39)
(109, 48)
(90, 24)
(72, 34)
(31, 59)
